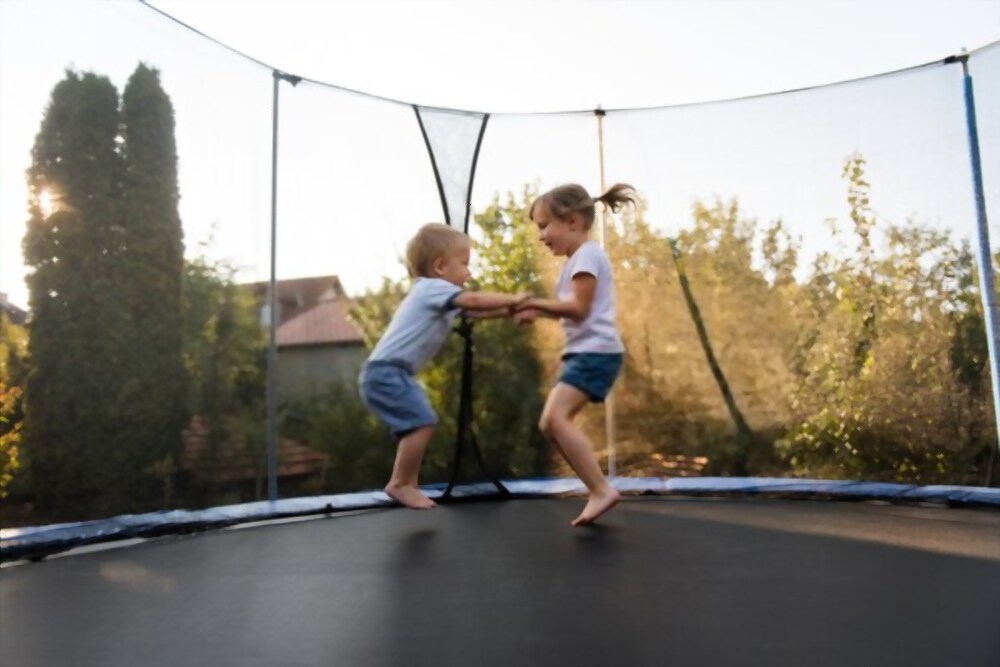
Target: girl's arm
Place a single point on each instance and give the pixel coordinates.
(576, 308)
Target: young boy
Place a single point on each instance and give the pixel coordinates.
(438, 261)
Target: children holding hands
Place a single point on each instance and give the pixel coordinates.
(438, 261)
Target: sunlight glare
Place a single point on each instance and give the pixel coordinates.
(47, 203)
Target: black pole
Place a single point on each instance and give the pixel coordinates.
(465, 434)
(472, 172)
(986, 276)
(464, 425)
(434, 164)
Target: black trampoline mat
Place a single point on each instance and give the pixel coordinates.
(658, 582)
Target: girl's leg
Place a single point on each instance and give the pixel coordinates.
(409, 453)
(563, 404)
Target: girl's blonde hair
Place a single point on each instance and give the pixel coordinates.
(433, 241)
(565, 200)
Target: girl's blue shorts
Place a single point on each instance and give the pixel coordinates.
(591, 373)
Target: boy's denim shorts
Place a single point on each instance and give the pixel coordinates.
(591, 373)
(390, 391)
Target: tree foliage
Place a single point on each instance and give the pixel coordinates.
(71, 433)
(106, 385)
(13, 369)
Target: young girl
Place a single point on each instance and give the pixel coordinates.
(438, 261)
(593, 351)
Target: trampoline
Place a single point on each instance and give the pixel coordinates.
(678, 581)
(710, 571)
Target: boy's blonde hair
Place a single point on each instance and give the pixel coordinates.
(433, 241)
(572, 198)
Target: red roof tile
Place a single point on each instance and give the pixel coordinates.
(324, 324)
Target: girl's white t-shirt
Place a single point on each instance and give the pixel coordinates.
(598, 333)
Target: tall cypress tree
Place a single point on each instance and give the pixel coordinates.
(72, 243)
(105, 394)
(153, 268)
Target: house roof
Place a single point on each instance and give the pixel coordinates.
(236, 462)
(324, 324)
(297, 295)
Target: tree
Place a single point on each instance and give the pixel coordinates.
(152, 266)
(70, 434)
(224, 348)
(890, 367)
(744, 435)
(105, 391)
(671, 399)
(13, 348)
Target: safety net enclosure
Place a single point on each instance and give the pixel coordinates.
(799, 286)
(211, 246)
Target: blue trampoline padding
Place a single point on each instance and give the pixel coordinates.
(16, 543)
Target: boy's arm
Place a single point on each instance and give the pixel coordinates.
(478, 302)
(487, 314)
(576, 308)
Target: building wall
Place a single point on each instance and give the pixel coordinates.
(306, 371)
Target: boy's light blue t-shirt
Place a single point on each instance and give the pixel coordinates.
(421, 324)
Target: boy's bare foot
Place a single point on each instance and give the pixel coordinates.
(409, 496)
(598, 504)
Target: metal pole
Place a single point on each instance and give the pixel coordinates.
(272, 308)
(987, 281)
(609, 407)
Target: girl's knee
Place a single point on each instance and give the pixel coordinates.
(549, 424)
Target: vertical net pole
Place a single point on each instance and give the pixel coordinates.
(609, 408)
(272, 310)
(986, 275)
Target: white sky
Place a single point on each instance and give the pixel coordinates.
(354, 178)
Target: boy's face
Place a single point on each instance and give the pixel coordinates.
(454, 267)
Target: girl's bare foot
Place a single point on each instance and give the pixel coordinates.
(599, 503)
(409, 496)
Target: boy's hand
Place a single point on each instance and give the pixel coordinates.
(525, 316)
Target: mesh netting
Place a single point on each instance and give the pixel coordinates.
(797, 289)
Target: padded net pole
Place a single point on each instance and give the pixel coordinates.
(986, 275)
(272, 309)
(272, 299)
(609, 408)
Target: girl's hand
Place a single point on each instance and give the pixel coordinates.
(519, 302)
(521, 299)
